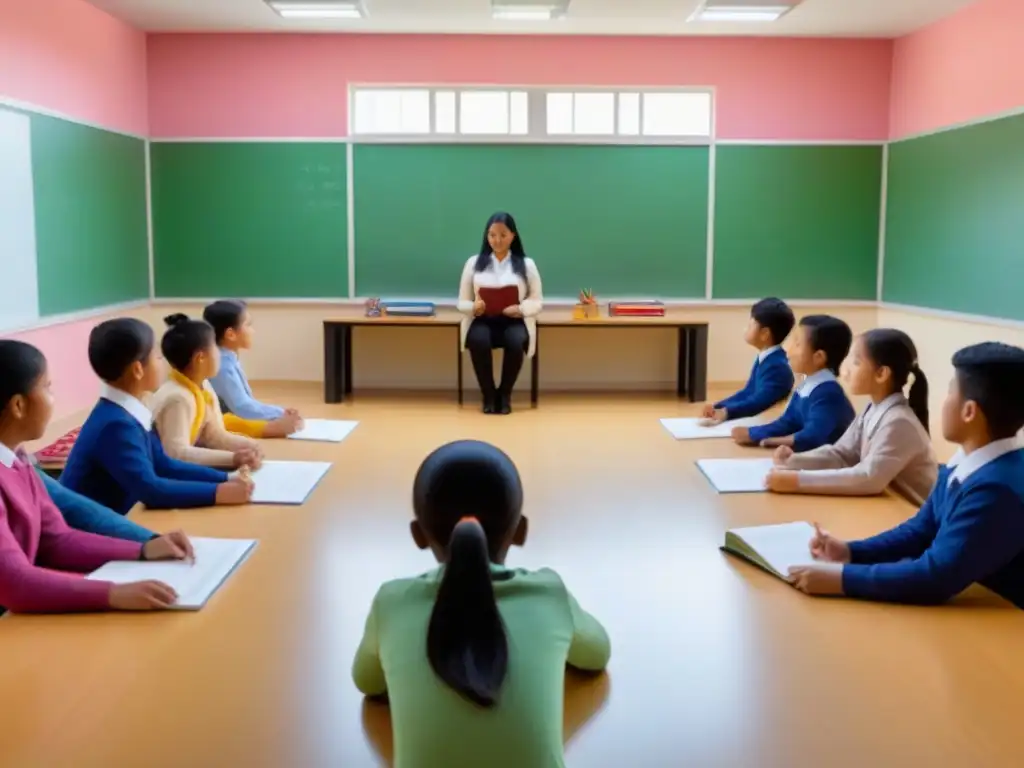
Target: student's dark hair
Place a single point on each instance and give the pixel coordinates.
(894, 350)
(21, 365)
(516, 251)
(829, 335)
(116, 344)
(183, 338)
(223, 316)
(775, 315)
(468, 494)
(992, 375)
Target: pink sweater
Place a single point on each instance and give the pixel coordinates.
(37, 548)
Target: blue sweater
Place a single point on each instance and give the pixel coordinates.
(770, 382)
(232, 387)
(84, 514)
(818, 414)
(964, 533)
(118, 462)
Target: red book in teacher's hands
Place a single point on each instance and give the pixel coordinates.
(497, 300)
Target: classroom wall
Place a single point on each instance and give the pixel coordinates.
(67, 57)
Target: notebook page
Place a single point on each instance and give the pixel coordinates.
(194, 583)
(694, 429)
(286, 482)
(324, 430)
(780, 546)
(736, 475)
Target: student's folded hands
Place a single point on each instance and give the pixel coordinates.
(169, 546)
(782, 481)
(286, 425)
(741, 435)
(782, 455)
(818, 579)
(777, 442)
(248, 457)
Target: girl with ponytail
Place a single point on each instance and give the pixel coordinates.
(472, 656)
(887, 444)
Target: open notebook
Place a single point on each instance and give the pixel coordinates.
(287, 482)
(216, 559)
(736, 475)
(324, 430)
(775, 548)
(696, 429)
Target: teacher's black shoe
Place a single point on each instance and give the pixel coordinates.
(504, 403)
(490, 403)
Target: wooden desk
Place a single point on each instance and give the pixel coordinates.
(715, 664)
(692, 347)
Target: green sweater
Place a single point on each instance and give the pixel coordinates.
(433, 725)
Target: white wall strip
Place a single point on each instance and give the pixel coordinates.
(149, 220)
(26, 106)
(804, 142)
(882, 213)
(709, 264)
(251, 140)
(350, 205)
(962, 317)
(74, 317)
(1015, 112)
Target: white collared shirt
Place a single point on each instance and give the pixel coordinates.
(132, 404)
(811, 382)
(7, 456)
(874, 414)
(763, 354)
(966, 464)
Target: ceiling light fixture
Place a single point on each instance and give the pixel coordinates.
(527, 12)
(743, 13)
(341, 10)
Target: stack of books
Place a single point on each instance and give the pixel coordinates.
(408, 308)
(636, 309)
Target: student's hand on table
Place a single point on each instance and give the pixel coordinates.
(479, 307)
(708, 411)
(283, 426)
(237, 490)
(513, 311)
(827, 548)
(818, 579)
(141, 596)
(248, 457)
(170, 546)
(782, 481)
(294, 413)
(776, 442)
(741, 435)
(782, 455)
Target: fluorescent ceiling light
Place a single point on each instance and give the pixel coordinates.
(351, 10)
(762, 13)
(526, 12)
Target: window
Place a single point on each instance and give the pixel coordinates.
(538, 115)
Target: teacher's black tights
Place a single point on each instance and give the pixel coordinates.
(489, 333)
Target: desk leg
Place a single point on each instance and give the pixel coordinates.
(535, 372)
(697, 363)
(683, 361)
(347, 356)
(333, 362)
(458, 358)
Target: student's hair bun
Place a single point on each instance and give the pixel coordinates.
(176, 319)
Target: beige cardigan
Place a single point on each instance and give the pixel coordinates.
(885, 445)
(174, 412)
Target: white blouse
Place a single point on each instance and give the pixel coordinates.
(499, 274)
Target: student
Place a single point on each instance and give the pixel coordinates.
(819, 412)
(118, 460)
(84, 514)
(41, 559)
(186, 414)
(771, 378)
(887, 443)
(472, 655)
(971, 528)
(232, 328)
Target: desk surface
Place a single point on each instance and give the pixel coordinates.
(558, 316)
(715, 663)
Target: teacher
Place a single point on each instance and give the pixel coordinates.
(500, 294)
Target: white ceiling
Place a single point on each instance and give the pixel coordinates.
(826, 18)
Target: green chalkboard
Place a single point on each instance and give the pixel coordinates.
(250, 219)
(955, 220)
(90, 207)
(799, 222)
(625, 221)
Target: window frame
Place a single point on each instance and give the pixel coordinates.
(536, 116)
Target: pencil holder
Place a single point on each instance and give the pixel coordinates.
(586, 308)
(373, 308)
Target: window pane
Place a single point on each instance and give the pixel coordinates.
(415, 107)
(518, 122)
(444, 111)
(594, 113)
(677, 114)
(483, 112)
(559, 114)
(392, 111)
(629, 114)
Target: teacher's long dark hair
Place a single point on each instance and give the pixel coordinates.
(515, 251)
(468, 495)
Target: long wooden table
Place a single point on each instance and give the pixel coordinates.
(715, 664)
(692, 346)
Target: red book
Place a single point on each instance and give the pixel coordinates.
(58, 452)
(497, 300)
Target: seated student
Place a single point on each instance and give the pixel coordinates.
(186, 414)
(41, 559)
(771, 378)
(118, 460)
(472, 655)
(232, 328)
(971, 528)
(819, 412)
(887, 443)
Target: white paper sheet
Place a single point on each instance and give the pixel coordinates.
(736, 475)
(324, 430)
(694, 429)
(216, 559)
(780, 546)
(287, 482)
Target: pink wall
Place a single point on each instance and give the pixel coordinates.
(66, 348)
(967, 66)
(295, 85)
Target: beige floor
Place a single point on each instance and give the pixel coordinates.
(715, 664)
